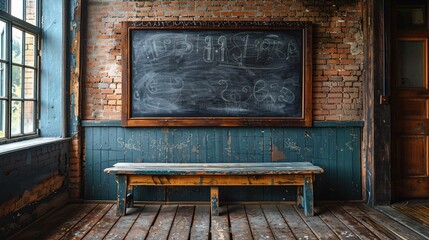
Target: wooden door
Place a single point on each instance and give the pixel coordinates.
(410, 104)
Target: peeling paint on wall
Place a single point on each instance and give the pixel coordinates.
(75, 62)
(356, 47)
(276, 154)
(74, 71)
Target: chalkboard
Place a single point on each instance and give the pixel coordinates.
(199, 74)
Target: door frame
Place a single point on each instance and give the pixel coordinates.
(376, 135)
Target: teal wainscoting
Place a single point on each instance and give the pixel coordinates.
(333, 146)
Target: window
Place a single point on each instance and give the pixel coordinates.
(19, 68)
(411, 67)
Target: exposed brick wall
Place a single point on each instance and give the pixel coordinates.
(75, 170)
(337, 52)
(32, 182)
(337, 47)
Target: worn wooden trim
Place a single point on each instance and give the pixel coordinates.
(30, 144)
(307, 191)
(216, 180)
(117, 123)
(368, 108)
(102, 123)
(379, 172)
(339, 124)
(214, 200)
(122, 181)
(304, 120)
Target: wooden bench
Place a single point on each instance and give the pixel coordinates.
(299, 174)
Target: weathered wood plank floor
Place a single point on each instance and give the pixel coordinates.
(417, 211)
(254, 221)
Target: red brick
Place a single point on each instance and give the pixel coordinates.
(330, 72)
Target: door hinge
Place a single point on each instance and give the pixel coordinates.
(384, 100)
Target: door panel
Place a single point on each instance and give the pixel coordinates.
(410, 118)
(412, 152)
(412, 188)
(411, 127)
(413, 108)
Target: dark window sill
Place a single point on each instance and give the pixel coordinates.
(27, 144)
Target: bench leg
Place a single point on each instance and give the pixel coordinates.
(299, 197)
(214, 198)
(308, 196)
(121, 201)
(130, 197)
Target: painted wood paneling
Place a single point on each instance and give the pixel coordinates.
(51, 90)
(335, 149)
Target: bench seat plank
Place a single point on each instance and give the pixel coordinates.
(215, 168)
(218, 164)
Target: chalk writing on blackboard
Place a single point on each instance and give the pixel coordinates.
(216, 73)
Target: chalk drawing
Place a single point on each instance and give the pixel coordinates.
(349, 144)
(238, 96)
(155, 143)
(160, 46)
(289, 144)
(181, 145)
(129, 145)
(208, 49)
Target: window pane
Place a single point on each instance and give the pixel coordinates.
(29, 84)
(16, 117)
(2, 118)
(3, 81)
(30, 12)
(411, 64)
(17, 8)
(19, 68)
(30, 45)
(29, 117)
(17, 42)
(411, 15)
(16, 81)
(3, 5)
(3, 40)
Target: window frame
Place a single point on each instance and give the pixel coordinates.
(36, 31)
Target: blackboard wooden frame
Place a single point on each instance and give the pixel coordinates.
(303, 118)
